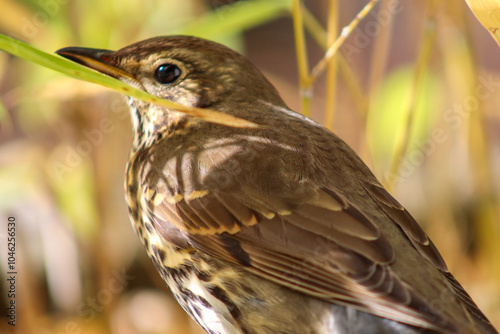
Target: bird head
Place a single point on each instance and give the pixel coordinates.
(187, 70)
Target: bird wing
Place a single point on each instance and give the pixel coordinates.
(324, 247)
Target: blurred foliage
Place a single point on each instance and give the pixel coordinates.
(416, 84)
(390, 111)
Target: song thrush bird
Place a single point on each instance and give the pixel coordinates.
(275, 229)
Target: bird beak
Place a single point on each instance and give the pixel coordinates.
(96, 59)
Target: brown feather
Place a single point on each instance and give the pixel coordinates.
(408, 224)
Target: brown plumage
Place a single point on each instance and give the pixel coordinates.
(279, 229)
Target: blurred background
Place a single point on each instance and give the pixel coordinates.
(415, 90)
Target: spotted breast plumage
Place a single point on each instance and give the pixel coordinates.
(275, 229)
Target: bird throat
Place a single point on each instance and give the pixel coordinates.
(152, 123)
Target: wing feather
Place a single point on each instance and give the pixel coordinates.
(302, 247)
(407, 223)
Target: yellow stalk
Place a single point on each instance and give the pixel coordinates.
(402, 145)
(345, 69)
(320, 67)
(331, 75)
(300, 46)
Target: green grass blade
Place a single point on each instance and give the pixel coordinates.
(60, 64)
(236, 18)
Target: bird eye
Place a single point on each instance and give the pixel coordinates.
(167, 73)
